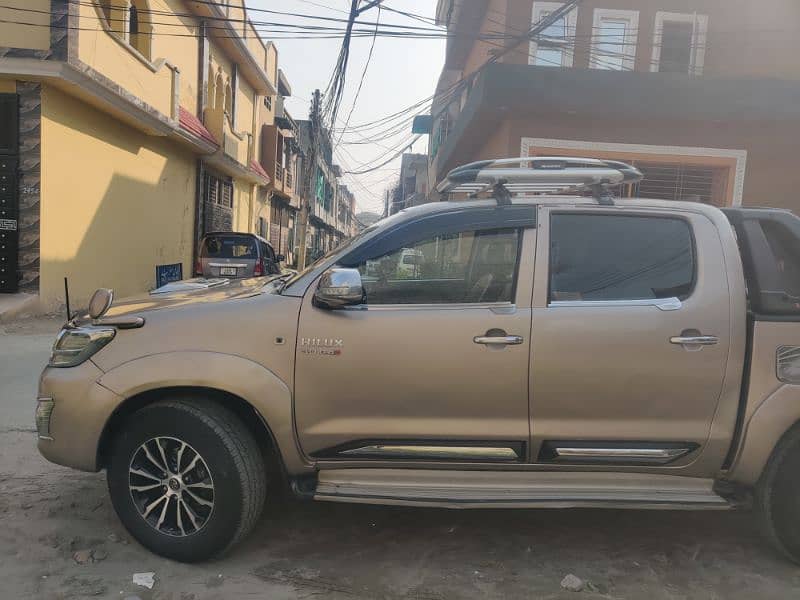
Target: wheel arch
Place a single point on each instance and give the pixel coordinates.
(255, 394)
(775, 418)
(245, 411)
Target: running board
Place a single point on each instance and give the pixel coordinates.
(515, 489)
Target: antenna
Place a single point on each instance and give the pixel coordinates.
(66, 297)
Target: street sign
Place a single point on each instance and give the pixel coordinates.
(168, 273)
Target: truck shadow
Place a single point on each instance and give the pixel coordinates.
(327, 550)
(372, 551)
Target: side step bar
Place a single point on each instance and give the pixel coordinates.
(515, 489)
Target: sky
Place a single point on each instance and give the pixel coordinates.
(401, 73)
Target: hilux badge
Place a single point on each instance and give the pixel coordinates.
(321, 346)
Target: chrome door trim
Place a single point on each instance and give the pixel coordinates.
(621, 453)
(433, 452)
(665, 304)
(496, 307)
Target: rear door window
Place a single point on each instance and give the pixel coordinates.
(620, 257)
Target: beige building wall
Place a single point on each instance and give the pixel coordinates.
(151, 81)
(35, 36)
(115, 203)
(181, 50)
(243, 206)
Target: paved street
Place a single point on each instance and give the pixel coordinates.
(308, 550)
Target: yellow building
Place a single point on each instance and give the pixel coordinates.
(128, 128)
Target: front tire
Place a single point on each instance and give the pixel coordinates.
(777, 497)
(186, 478)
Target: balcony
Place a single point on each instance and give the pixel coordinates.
(571, 103)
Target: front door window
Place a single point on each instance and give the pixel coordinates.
(461, 268)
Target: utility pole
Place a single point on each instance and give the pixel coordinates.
(308, 189)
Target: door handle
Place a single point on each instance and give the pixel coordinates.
(695, 340)
(502, 340)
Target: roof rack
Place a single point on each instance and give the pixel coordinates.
(507, 177)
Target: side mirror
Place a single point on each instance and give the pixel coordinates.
(338, 288)
(279, 258)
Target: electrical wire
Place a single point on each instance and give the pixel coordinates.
(363, 77)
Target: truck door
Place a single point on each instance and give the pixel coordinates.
(630, 336)
(434, 366)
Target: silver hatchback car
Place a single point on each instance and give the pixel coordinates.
(236, 255)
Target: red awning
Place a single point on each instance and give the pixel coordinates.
(256, 167)
(194, 126)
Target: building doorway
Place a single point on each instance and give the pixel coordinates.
(9, 193)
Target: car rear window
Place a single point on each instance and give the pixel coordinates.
(229, 247)
(603, 257)
(786, 250)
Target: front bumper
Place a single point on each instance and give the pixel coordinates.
(78, 408)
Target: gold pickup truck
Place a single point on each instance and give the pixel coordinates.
(541, 350)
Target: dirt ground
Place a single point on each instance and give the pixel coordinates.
(319, 550)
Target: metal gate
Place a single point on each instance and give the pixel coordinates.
(9, 193)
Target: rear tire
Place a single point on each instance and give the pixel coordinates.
(211, 492)
(777, 497)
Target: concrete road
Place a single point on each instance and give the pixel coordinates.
(331, 551)
(24, 350)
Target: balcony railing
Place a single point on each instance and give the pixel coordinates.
(289, 179)
(279, 170)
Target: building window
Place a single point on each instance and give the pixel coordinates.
(227, 194)
(679, 45)
(556, 44)
(268, 102)
(105, 6)
(219, 191)
(229, 99)
(614, 39)
(262, 227)
(129, 22)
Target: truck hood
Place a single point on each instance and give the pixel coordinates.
(233, 289)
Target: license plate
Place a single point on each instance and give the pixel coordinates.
(230, 271)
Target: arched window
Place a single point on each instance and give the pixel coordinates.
(219, 92)
(129, 21)
(140, 27)
(228, 99)
(105, 6)
(133, 20)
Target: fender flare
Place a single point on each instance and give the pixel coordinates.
(269, 395)
(772, 419)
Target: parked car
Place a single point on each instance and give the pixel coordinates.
(558, 351)
(236, 255)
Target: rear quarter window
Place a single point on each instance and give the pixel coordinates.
(619, 257)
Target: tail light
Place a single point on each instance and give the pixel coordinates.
(258, 271)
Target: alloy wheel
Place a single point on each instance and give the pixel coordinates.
(171, 486)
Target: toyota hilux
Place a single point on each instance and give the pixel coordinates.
(553, 347)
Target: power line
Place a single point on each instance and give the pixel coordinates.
(363, 76)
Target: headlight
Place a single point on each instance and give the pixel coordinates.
(74, 346)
